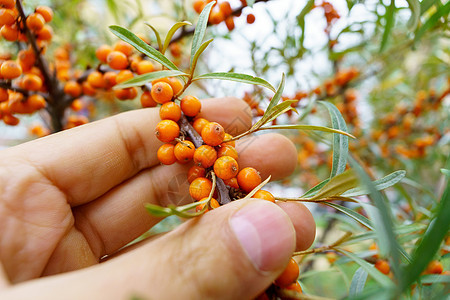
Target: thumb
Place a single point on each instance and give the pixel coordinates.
(233, 252)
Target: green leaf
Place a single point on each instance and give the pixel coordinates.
(158, 37)
(351, 213)
(414, 6)
(274, 113)
(340, 142)
(157, 211)
(425, 5)
(358, 282)
(301, 20)
(446, 172)
(380, 184)
(389, 16)
(308, 127)
(435, 279)
(338, 185)
(200, 29)
(236, 77)
(140, 80)
(170, 34)
(370, 269)
(312, 191)
(430, 243)
(432, 21)
(197, 55)
(113, 8)
(276, 98)
(141, 46)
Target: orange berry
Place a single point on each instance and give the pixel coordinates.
(232, 183)
(110, 79)
(229, 22)
(289, 275)
(133, 92)
(167, 130)
(161, 92)
(250, 18)
(147, 100)
(190, 106)
(117, 60)
(435, 267)
(31, 82)
(170, 111)
(26, 59)
(102, 52)
(76, 105)
(213, 203)
(213, 134)
(123, 47)
(294, 287)
(10, 120)
(200, 188)
(88, 89)
(45, 12)
(72, 88)
(96, 80)
(205, 156)
(265, 195)
(126, 94)
(10, 69)
(45, 34)
(166, 154)
(145, 66)
(195, 172)
(248, 178)
(3, 95)
(36, 102)
(35, 22)
(124, 75)
(7, 16)
(230, 143)
(199, 5)
(383, 266)
(10, 32)
(184, 151)
(7, 3)
(226, 167)
(225, 7)
(227, 150)
(216, 16)
(199, 124)
(176, 85)
(62, 53)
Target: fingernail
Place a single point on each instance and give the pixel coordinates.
(265, 233)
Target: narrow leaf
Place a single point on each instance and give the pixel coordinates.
(340, 142)
(170, 34)
(141, 80)
(309, 127)
(311, 192)
(351, 213)
(200, 29)
(432, 21)
(358, 282)
(380, 184)
(158, 37)
(141, 46)
(244, 78)
(414, 7)
(197, 55)
(338, 185)
(389, 16)
(446, 172)
(276, 98)
(273, 113)
(425, 5)
(157, 211)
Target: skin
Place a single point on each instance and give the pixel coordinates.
(72, 198)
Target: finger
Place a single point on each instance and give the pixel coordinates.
(234, 252)
(87, 161)
(271, 154)
(303, 222)
(118, 217)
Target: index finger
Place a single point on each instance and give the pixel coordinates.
(87, 161)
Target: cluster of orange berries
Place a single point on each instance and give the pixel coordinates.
(222, 12)
(330, 13)
(21, 73)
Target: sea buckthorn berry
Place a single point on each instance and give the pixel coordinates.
(229, 22)
(195, 172)
(10, 69)
(117, 60)
(166, 154)
(10, 32)
(205, 156)
(124, 75)
(232, 183)
(289, 275)
(248, 178)
(184, 151)
(7, 3)
(161, 92)
(227, 150)
(10, 120)
(45, 34)
(96, 80)
(31, 82)
(3, 95)
(213, 203)
(35, 22)
(200, 188)
(213, 134)
(110, 79)
(265, 195)
(147, 100)
(102, 52)
(176, 85)
(216, 17)
(435, 267)
(26, 58)
(167, 130)
(72, 88)
(122, 94)
(199, 5)
(250, 18)
(123, 47)
(226, 167)
(230, 143)
(45, 12)
(133, 92)
(88, 89)
(199, 124)
(36, 102)
(144, 67)
(190, 106)
(7, 16)
(225, 7)
(170, 111)
(294, 287)
(383, 266)
(76, 105)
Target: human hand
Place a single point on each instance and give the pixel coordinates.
(71, 198)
